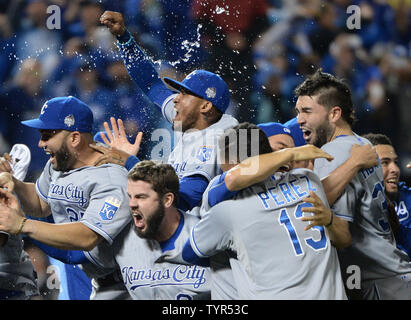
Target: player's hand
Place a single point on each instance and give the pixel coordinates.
(110, 155)
(6, 181)
(409, 165)
(309, 152)
(321, 214)
(9, 200)
(11, 215)
(114, 21)
(5, 163)
(364, 156)
(118, 139)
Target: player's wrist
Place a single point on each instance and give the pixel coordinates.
(331, 221)
(123, 36)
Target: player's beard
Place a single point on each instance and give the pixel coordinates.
(393, 196)
(64, 159)
(153, 223)
(322, 134)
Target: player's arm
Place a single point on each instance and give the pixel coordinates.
(65, 256)
(191, 191)
(259, 168)
(361, 157)
(26, 191)
(337, 228)
(140, 68)
(209, 236)
(68, 236)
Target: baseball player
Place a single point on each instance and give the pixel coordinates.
(196, 111)
(361, 157)
(397, 192)
(17, 275)
(87, 203)
(157, 225)
(325, 115)
(278, 135)
(224, 285)
(279, 256)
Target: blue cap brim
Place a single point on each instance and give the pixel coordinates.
(179, 86)
(38, 124)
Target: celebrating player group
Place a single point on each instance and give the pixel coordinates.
(305, 210)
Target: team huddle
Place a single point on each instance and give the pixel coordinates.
(303, 210)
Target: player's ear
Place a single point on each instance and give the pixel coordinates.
(335, 114)
(74, 138)
(206, 107)
(168, 199)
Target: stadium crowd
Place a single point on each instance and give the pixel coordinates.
(263, 49)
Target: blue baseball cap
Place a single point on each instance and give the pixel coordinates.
(206, 85)
(273, 128)
(296, 132)
(66, 113)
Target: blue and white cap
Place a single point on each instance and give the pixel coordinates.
(63, 113)
(206, 85)
(274, 128)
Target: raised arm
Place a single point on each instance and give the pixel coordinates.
(259, 168)
(361, 157)
(139, 66)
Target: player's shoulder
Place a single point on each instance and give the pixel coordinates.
(111, 173)
(227, 121)
(190, 219)
(303, 172)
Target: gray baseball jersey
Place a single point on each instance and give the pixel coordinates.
(223, 286)
(195, 151)
(16, 270)
(364, 205)
(94, 196)
(279, 260)
(147, 277)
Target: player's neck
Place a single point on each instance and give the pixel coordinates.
(342, 130)
(86, 158)
(169, 224)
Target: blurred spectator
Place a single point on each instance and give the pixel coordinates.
(34, 40)
(89, 89)
(325, 29)
(229, 31)
(21, 100)
(8, 51)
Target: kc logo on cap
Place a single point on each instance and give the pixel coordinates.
(66, 113)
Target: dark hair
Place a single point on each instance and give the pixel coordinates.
(377, 138)
(162, 176)
(241, 141)
(331, 92)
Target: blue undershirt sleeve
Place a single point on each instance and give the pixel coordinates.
(131, 162)
(191, 191)
(141, 69)
(65, 256)
(190, 256)
(218, 192)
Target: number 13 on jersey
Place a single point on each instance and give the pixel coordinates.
(313, 244)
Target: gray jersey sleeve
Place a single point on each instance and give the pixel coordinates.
(43, 182)
(167, 109)
(340, 149)
(213, 223)
(108, 211)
